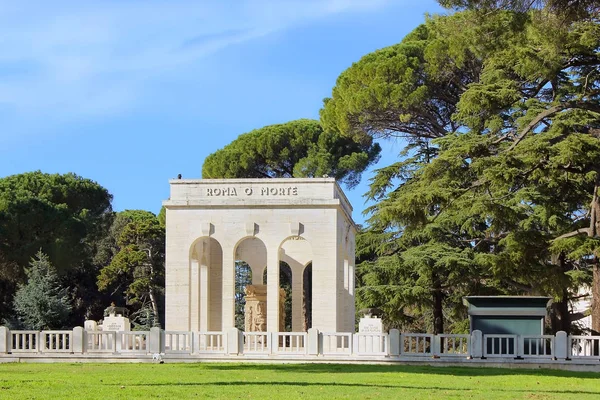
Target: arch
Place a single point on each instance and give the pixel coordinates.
(297, 252)
(250, 307)
(205, 288)
(252, 251)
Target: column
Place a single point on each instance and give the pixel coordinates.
(204, 279)
(272, 289)
(194, 294)
(228, 294)
(297, 294)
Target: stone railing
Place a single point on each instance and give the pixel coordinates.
(310, 345)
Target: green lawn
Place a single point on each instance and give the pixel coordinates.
(288, 381)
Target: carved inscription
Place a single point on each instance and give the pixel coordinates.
(248, 191)
(228, 191)
(288, 191)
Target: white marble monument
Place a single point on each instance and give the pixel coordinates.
(213, 223)
(369, 324)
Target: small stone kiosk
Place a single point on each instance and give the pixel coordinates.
(511, 315)
(507, 315)
(213, 223)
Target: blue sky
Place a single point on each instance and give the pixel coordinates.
(130, 93)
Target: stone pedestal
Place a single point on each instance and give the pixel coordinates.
(370, 325)
(117, 324)
(255, 310)
(90, 325)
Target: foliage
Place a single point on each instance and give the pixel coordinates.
(298, 148)
(135, 254)
(243, 277)
(571, 9)
(408, 90)
(505, 203)
(42, 303)
(64, 216)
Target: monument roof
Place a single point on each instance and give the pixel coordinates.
(257, 193)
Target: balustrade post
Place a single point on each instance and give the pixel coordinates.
(437, 346)
(561, 345)
(353, 344)
(4, 340)
(273, 341)
(394, 342)
(118, 342)
(77, 344)
(154, 340)
(233, 341)
(313, 341)
(476, 344)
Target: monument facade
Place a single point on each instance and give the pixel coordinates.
(213, 223)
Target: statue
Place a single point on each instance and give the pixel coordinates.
(110, 310)
(260, 320)
(249, 324)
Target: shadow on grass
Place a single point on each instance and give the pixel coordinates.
(408, 369)
(355, 385)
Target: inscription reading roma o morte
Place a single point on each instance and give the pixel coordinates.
(263, 191)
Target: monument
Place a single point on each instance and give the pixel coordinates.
(115, 319)
(304, 222)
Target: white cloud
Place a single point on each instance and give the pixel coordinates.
(75, 59)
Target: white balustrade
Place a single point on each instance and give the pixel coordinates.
(134, 341)
(290, 342)
(584, 347)
(257, 342)
(334, 343)
(211, 342)
(100, 342)
(371, 344)
(416, 344)
(178, 342)
(540, 346)
(56, 341)
(500, 345)
(327, 344)
(25, 341)
(454, 345)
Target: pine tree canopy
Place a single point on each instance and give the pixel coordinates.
(296, 149)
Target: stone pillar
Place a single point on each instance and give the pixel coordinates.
(78, 340)
(437, 346)
(324, 285)
(273, 290)
(154, 339)
(4, 340)
(313, 341)
(194, 293)
(394, 342)
(255, 311)
(233, 341)
(228, 295)
(204, 278)
(561, 345)
(477, 344)
(297, 300)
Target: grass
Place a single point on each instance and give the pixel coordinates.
(288, 381)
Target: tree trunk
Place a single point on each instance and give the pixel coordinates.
(438, 298)
(596, 297)
(593, 232)
(560, 318)
(154, 304)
